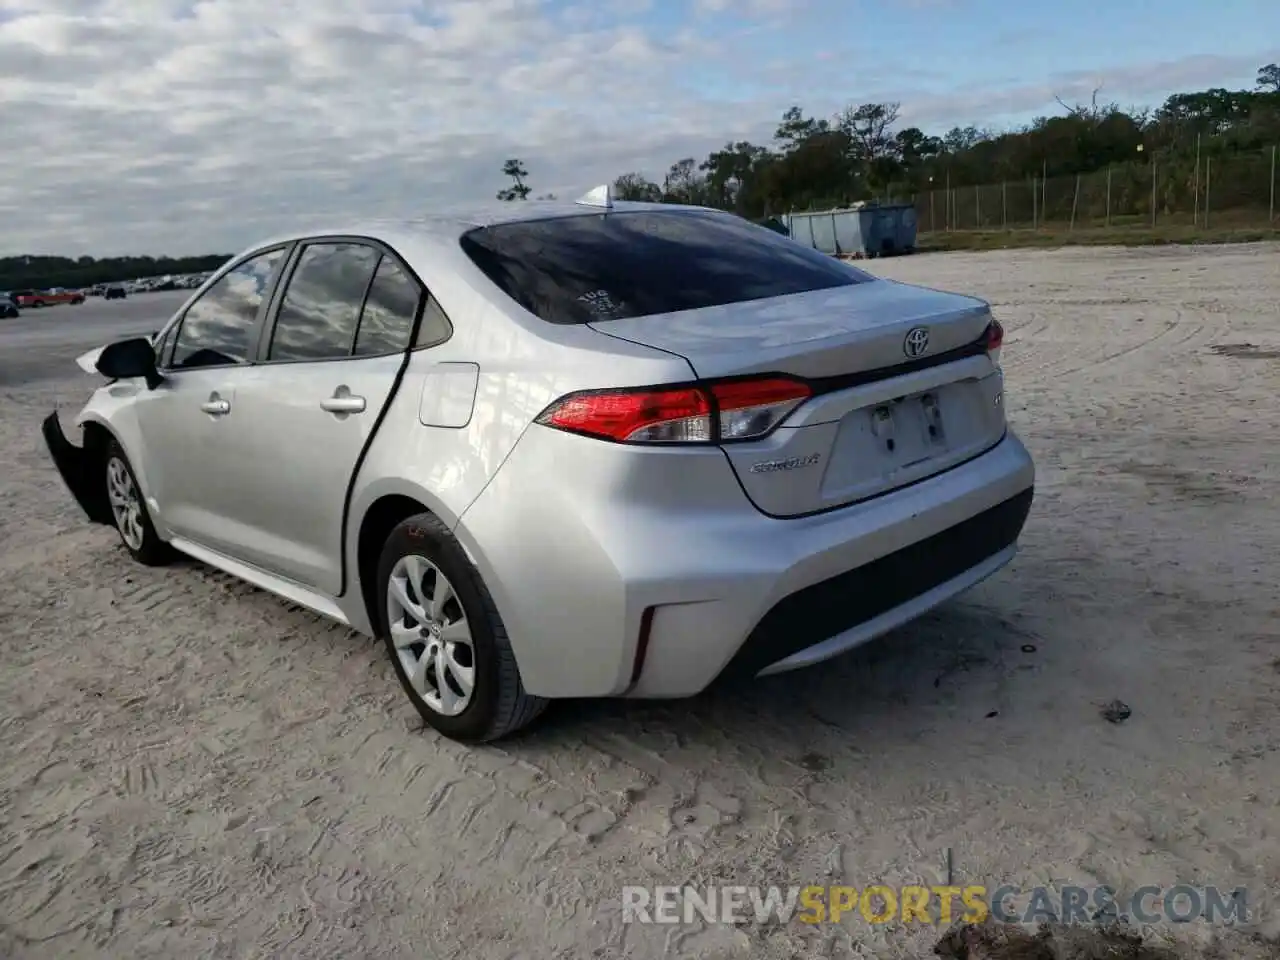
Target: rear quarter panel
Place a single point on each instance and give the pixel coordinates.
(524, 364)
(521, 370)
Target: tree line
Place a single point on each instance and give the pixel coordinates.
(862, 153)
(40, 273)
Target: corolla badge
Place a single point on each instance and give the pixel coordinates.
(792, 463)
(916, 342)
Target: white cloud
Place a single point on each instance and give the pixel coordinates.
(194, 125)
(748, 8)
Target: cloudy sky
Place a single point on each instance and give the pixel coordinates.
(190, 126)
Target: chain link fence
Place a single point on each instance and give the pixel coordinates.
(1236, 190)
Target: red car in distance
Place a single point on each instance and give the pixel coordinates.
(46, 298)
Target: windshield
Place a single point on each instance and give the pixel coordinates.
(578, 269)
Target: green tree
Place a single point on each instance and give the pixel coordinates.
(862, 153)
(730, 173)
(684, 183)
(41, 272)
(634, 186)
(796, 129)
(519, 190)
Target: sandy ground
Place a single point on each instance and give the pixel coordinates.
(189, 768)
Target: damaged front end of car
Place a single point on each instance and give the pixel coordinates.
(80, 468)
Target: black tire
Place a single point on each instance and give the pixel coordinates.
(499, 704)
(152, 552)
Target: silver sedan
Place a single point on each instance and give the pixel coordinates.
(552, 450)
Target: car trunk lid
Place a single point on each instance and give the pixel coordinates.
(818, 334)
(904, 387)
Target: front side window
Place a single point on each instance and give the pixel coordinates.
(162, 345)
(218, 328)
(612, 266)
(321, 305)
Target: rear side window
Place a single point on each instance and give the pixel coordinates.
(389, 311)
(637, 263)
(321, 305)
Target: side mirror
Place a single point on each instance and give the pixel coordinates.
(130, 358)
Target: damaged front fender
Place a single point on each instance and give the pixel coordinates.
(81, 470)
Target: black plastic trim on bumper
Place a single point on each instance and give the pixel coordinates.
(80, 468)
(823, 610)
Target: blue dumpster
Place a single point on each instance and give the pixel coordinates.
(870, 231)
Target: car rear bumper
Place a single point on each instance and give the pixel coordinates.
(654, 577)
(80, 470)
(835, 615)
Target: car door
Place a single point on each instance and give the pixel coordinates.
(187, 419)
(331, 355)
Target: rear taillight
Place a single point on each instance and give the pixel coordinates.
(749, 409)
(681, 415)
(711, 412)
(994, 341)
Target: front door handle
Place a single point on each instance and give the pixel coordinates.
(343, 401)
(215, 406)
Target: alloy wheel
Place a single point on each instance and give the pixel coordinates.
(431, 636)
(126, 504)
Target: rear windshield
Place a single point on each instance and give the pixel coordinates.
(634, 264)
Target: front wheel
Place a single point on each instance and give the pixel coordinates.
(129, 510)
(447, 642)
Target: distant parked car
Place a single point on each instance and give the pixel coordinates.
(47, 298)
(114, 293)
(8, 309)
(63, 295)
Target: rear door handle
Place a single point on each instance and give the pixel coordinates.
(215, 406)
(343, 401)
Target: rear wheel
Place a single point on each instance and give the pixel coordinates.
(129, 510)
(447, 642)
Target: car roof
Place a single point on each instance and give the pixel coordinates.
(450, 225)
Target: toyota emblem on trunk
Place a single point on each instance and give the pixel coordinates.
(917, 342)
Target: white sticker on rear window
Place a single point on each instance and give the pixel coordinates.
(601, 303)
